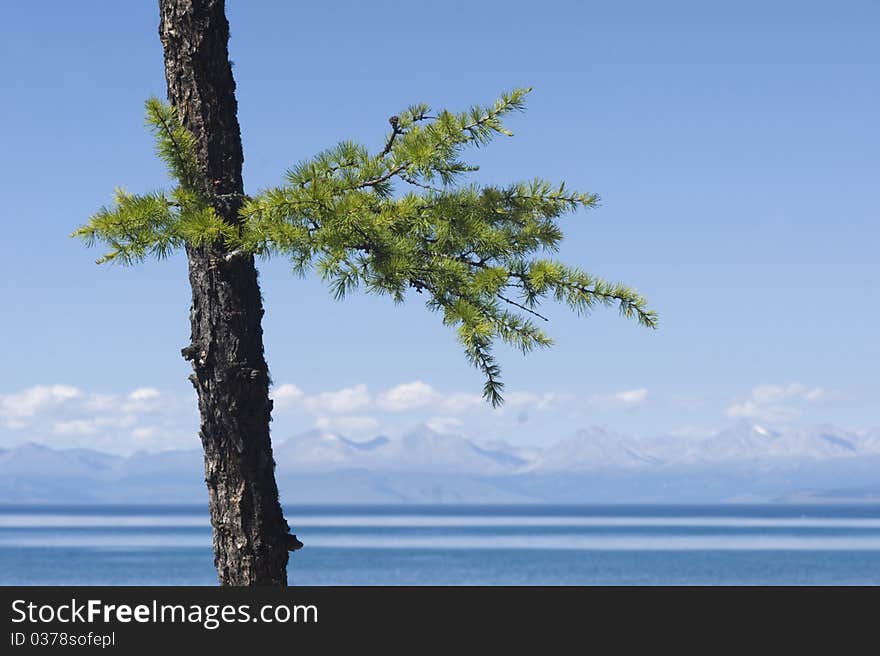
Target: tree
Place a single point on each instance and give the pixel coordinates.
(396, 220)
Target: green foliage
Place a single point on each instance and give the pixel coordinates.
(136, 227)
(390, 222)
(175, 145)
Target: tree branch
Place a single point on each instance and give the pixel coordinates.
(522, 307)
(384, 177)
(395, 130)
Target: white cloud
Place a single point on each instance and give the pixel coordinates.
(144, 394)
(149, 418)
(545, 401)
(775, 403)
(64, 416)
(16, 408)
(408, 396)
(765, 394)
(460, 403)
(624, 398)
(344, 401)
(769, 413)
(143, 399)
(145, 433)
(75, 427)
(286, 396)
(91, 426)
(340, 402)
(100, 402)
(521, 399)
(157, 438)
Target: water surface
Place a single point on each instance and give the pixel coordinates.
(455, 545)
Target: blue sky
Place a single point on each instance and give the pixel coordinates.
(734, 145)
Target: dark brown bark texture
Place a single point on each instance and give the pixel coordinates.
(230, 373)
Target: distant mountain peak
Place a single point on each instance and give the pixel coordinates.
(745, 460)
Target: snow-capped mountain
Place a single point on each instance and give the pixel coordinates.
(743, 461)
(597, 448)
(318, 450)
(420, 449)
(751, 441)
(594, 448)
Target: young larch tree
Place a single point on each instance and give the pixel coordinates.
(389, 221)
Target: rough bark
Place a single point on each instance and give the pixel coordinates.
(230, 374)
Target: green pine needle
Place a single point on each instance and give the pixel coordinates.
(390, 222)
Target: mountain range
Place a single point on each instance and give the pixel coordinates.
(745, 462)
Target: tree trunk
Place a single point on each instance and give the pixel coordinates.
(231, 377)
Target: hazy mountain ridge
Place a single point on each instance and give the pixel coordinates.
(595, 448)
(742, 462)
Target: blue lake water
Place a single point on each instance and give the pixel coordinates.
(457, 545)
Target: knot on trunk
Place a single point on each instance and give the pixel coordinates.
(292, 542)
(193, 354)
